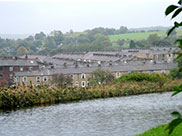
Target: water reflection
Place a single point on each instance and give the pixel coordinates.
(124, 116)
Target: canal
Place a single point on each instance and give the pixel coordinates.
(124, 116)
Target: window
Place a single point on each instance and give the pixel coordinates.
(10, 68)
(1, 77)
(83, 83)
(30, 68)
(1, 68)
(151, 71)
(118, 75)
(38, 79)
(83, 76)
(24, 79)
(16, 79)
(77, 84)
(10, 76)
(45, 79)
(163, 71)
(21, 68)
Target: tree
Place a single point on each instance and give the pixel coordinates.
(30, 38)
(120, 42)
(175, 9)
(40, 36)
(62, 80)
(153, 38)
(22, 51)
(100, 76)
(57, 36)
(175, 73)
(132, 44)
(49, 43)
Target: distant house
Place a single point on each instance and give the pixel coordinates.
(8, 67)
(81, 75)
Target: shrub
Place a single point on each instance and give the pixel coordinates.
(175, 73)
(100, 76)
(138, 77)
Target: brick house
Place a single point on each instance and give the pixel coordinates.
(8, 67)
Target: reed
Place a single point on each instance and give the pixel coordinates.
(23, 96)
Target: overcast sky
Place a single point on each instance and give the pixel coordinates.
(32, 16)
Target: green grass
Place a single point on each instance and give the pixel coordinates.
(136, 36)
(160, 131)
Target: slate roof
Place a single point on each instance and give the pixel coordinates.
(79, 70)
(19, 62)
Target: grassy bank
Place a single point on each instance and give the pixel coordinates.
(160, 131)
(28, 96)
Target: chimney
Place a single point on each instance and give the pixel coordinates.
(88, 64)
(26, 56)
(110, 63)
(65, 65)
(76, 64)
(99, 63)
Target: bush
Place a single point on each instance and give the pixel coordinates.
(100, 76)
(175, 73)
(138, 77)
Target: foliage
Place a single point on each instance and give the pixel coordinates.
(22, 96)
(138, 77)
(62, 80)
(175, 73)
(96, 39)
(100, 76)
(22, 51)
(175, 9)
(132, 44)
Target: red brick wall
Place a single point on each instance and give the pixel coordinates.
(5, 72)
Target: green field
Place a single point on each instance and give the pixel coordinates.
(136, 36)
(139, 35)
(160, 131)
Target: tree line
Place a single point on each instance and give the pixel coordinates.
(96, 39)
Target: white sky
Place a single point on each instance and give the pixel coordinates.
(32, 16)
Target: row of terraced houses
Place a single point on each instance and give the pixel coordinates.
(37, 69)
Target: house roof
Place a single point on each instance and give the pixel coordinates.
(79, 70)
(18, 62)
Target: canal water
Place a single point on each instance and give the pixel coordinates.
(124, 116)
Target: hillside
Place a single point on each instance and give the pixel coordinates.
(139, 35)
(136, 36)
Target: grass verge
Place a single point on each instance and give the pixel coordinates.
(160, 131)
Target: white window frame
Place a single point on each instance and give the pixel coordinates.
(10, 76)
(24, 79)
(83, 84)
(45, 77)
(83, 76)
(21, 69)
(163, 71)
(38, 79)
(30, 68)
(77, 83)
(118, 74)
(10, 68)
(16, 79)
